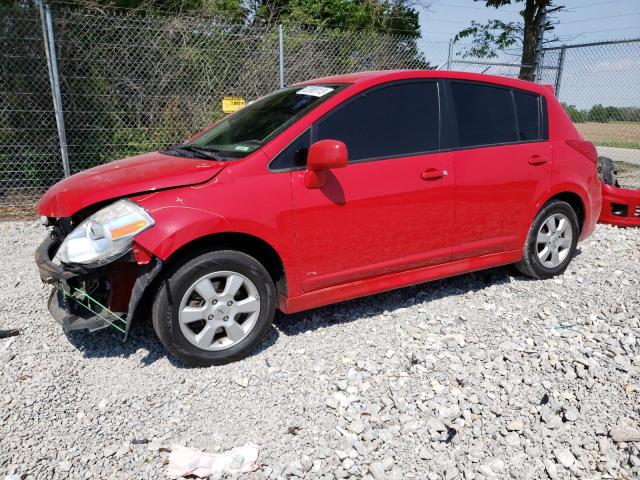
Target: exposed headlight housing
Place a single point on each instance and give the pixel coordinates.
(105, 235)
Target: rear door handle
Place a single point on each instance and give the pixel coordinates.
(537, 160)
(433, 174)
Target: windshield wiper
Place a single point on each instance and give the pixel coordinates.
(202, 151)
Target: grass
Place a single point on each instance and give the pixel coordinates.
(618, 143)
(612, 134)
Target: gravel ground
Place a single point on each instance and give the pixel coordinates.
(487, 375)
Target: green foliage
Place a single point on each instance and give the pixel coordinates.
(380, 16)
(601, 114)
(577, 116)
(598, 113)
(373, 15)
(490, 37)
(134, 80)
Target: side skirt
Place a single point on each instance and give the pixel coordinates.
(362, 288)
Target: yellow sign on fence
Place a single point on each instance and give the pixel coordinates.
(232, 104)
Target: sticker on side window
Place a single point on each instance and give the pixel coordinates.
(315, 91)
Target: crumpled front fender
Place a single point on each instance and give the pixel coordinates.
(176, 226)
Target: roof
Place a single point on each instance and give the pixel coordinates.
(353, 77)
(380, 76)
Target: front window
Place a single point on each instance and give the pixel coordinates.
(248, 129)
(390, 121)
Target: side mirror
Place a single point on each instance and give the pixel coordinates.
(324, 155)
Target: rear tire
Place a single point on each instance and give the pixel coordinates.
(215, 308)
(551, 241)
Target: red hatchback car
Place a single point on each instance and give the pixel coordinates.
(325, 191)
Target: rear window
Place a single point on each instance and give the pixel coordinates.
(484, 114)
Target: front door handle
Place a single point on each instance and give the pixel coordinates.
(537, 160)
(433, 174)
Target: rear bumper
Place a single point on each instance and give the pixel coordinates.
(620, 206)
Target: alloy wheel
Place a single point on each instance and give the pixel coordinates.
(554, 240)
(219, 310)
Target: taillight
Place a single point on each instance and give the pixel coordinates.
(584, 147)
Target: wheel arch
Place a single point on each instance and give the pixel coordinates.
(252, 245)
(576, 203)
(571, 193)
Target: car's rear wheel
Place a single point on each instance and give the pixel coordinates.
(551, 241)
(215, 308)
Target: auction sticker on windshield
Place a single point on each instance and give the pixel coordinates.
(314, 91)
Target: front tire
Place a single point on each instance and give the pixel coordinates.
(551, 242)
(215, 308)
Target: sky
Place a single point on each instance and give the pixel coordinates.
(581, 21)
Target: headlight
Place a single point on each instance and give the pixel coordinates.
(105, 235)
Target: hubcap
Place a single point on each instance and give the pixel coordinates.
(219, 310)
(554, 240)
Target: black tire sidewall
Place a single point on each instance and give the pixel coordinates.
(607, 170)
(549, 209)
(170, 294)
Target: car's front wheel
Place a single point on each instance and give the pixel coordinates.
(551, 241)
(215, 308)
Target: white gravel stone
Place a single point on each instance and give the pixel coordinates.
(571, 415)
(564, 457)
(537, 372)
(624, 433)
(377, 471)
(515, 425)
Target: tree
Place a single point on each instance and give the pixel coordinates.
(496, 35)
(396, 16)
(598, 113)
(391, 16)
(576, 115)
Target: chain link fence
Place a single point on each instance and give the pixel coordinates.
(599, 84)
(130, 84)
(29, 149)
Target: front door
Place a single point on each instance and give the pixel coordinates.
(391, 208)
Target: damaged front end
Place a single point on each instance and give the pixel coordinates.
(96, 294)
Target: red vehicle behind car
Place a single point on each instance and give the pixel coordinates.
(325, 191)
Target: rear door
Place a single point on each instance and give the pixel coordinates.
(391, 208)
(502, 163)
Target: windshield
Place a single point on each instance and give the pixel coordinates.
(251, 127)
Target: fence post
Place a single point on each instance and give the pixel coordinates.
(281, 53)
(449, 54)
(559, 71)
(54, 80)
(542, 22)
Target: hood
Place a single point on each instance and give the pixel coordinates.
(122, 178)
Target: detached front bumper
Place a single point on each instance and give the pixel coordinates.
(620, 206)
(93, 299)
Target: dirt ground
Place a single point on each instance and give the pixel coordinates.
(614, 134)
